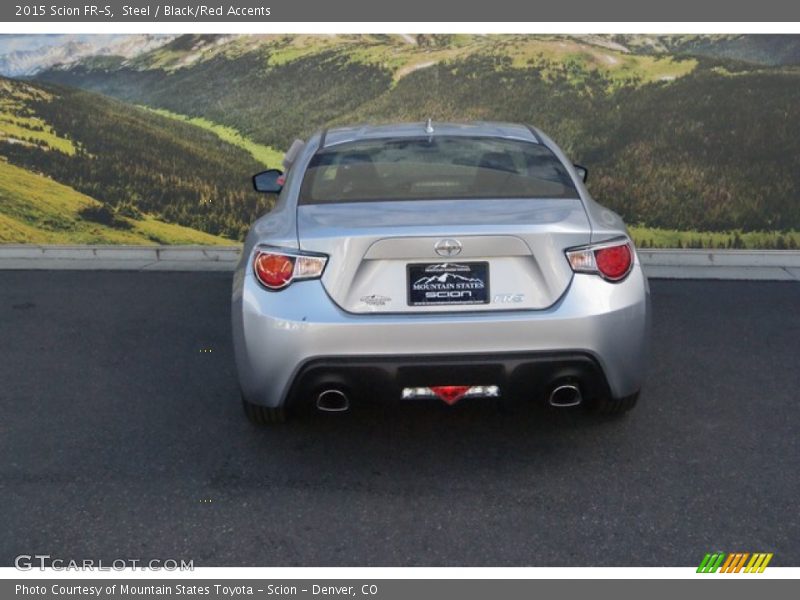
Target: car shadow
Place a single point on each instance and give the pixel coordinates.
(391, 449)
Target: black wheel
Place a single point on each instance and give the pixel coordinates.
(263, 415)
(614, 406)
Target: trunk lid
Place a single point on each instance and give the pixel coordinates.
(504, 254)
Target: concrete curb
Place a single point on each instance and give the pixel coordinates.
(119, 258)
(772, 265)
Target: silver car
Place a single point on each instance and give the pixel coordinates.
(436, 261)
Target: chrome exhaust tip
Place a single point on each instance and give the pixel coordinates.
(565, 395)
(332, 400)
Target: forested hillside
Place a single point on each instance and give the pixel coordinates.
(270, 105)
(710, 151)
(694, 139)
(134, 162)
(275, 88)
(760, 49)
(674, 142)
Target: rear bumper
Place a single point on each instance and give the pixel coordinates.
(284, 341)
(521, 376)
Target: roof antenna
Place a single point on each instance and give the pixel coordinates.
(429, 127)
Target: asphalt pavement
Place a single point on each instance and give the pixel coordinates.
(121, 436)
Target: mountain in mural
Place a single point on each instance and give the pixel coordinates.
(681, 134)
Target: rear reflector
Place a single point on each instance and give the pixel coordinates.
(451, 394)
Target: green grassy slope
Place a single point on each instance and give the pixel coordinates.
(653, 237)
(129, 159)
(38, 210)
(20, 125)
(269, 157)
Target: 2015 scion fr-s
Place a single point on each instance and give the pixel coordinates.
(436, 261)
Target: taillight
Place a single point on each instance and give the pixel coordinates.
(276, 269)
(612, 260)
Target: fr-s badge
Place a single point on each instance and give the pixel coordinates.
(508, 298)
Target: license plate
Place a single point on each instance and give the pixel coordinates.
(448, 283)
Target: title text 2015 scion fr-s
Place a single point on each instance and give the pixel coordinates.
(436, 261)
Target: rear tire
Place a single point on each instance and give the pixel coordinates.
(614, 406)
(263, 415)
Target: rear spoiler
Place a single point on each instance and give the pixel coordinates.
(292, 153)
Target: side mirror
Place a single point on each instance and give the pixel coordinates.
(269, 182)
(583, 172)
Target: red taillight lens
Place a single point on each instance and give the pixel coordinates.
(613, 262)
(274, 270)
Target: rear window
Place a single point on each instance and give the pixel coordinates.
(439, 167)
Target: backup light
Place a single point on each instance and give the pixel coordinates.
(450, 394)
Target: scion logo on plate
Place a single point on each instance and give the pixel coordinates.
(448, 247)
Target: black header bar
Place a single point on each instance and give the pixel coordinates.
(440, 11)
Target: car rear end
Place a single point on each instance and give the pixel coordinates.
(454, 263)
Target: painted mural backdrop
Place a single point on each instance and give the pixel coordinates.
(147, 139)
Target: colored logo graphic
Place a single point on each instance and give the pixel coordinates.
(734, 562)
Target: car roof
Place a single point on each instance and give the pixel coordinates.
(340, 135)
